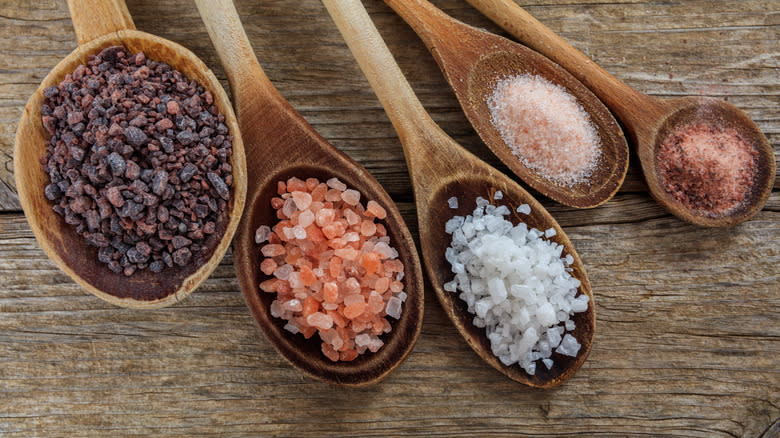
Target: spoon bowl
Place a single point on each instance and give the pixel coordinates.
(647, 120)
(99, 25)
(281, 144)
(689, 111)
(474, 61)
(441, 169)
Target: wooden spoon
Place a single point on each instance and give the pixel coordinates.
(281, 144)
(440, 169)
(649, 121)
(474, 60)
(100, 24)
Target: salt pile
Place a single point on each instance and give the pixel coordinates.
(546, 128)
(518, 285)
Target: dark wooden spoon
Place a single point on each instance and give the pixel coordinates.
(440, 169)
(648, 120)
(474, 60)
(281, 144)
(101, 24)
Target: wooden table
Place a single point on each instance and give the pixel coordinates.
(688, 330)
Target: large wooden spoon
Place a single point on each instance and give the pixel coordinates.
(474, 60)
(441, 169)
(101, 24)
(649, 121)
(281, 144)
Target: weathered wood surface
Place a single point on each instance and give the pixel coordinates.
(688, 319)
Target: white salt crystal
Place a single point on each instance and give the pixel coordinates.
(291, 328)
(393, 308)
(453, 202)
(516, 283)
(498, 195)
(548, 363)
(362, 340)
(524, 209)
(262, 233)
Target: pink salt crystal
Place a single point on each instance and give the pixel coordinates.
(382, 285)
(302, 200)
(268, 266)
(375, 209)
(351, 217)
(375, 302)
(333, 195)
(293, 305)
(273, 250)
(351, 197)
(546, 128)
(367, 228)
(324, 216)
(320, 320)
(353, 298)
(351, 286)
(347, 253)
(329, 352)
(306, 218)
(334, 183)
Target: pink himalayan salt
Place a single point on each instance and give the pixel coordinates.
(545, 127)
(707, 168)
(333, 269)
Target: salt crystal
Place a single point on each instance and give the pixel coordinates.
(550, 232)
(524, 209)
(516, 284)
(351, 197)
(393, 308)
(262, 233)
(453, 202)
(498, 195)
(334, 183)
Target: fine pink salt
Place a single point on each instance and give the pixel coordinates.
(332, 267)
(707, 168)
(545, 127)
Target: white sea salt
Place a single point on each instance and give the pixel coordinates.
(453, 202)
(516, 283)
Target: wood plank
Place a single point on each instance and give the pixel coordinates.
(686, 344)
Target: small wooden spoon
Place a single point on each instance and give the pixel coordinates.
(101, 24)
(281, 144)
(440, 169)
(649, 121)
(474, 60)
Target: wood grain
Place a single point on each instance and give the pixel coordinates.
(688, 327)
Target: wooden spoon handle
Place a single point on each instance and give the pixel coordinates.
(95, 18)
(630, 106)
(415, 127)
(437, 29)
(245, 75)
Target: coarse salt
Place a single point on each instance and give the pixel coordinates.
(333, 269)
(517, 284)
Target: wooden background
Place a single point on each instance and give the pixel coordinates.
(688, 319)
